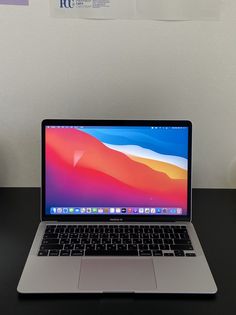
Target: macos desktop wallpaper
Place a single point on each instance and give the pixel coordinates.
(111, 166)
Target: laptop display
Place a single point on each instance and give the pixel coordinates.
(116, 170)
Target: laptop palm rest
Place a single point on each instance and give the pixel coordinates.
(117, 274)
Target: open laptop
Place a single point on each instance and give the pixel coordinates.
(116, 211)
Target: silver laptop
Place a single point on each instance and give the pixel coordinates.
(116, 211)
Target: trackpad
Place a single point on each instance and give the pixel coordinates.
(117, 274)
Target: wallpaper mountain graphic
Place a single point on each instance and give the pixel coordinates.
(112, 168)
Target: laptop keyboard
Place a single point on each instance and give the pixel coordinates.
(116, 240)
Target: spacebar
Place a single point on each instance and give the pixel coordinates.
(111, 253)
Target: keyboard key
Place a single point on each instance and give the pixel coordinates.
(154, 246)
(179, 253)
(181, 241)
(181, 247)
(59, 230)
(184, 236)
(105, 241)
(111, 253)
(73, 236)
(101, 247)
(113, 235)
(51, 246)
(190, 254)
(165, 247)
(85, 241)
(43, 253)
(50, 241)
(122, 247)
(167, 230)
(134, 235)
(69, 246)
(69, 229)
(137, 241)
(50, 228)
(54, 253)
(132, 246)
(116, 241)
(157, 253)
(147, 241)
(167, 241)
(74, 241)
(79, 246)
(111, 247)
(65, 253)
(157, 241)
(90, 246)
(50, 235)
(168, 254)
(77, 253)
(145, 253)
(143, 246)
(127, 241)
(65, 241)
(157, 229)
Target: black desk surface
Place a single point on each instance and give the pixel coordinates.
(214, 219)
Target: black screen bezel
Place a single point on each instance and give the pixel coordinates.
(115, 218)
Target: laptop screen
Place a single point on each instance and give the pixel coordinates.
(116, 170)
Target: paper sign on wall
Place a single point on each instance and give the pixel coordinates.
(137, 9)
(15, 2)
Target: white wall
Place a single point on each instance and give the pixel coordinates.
(116, 69)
